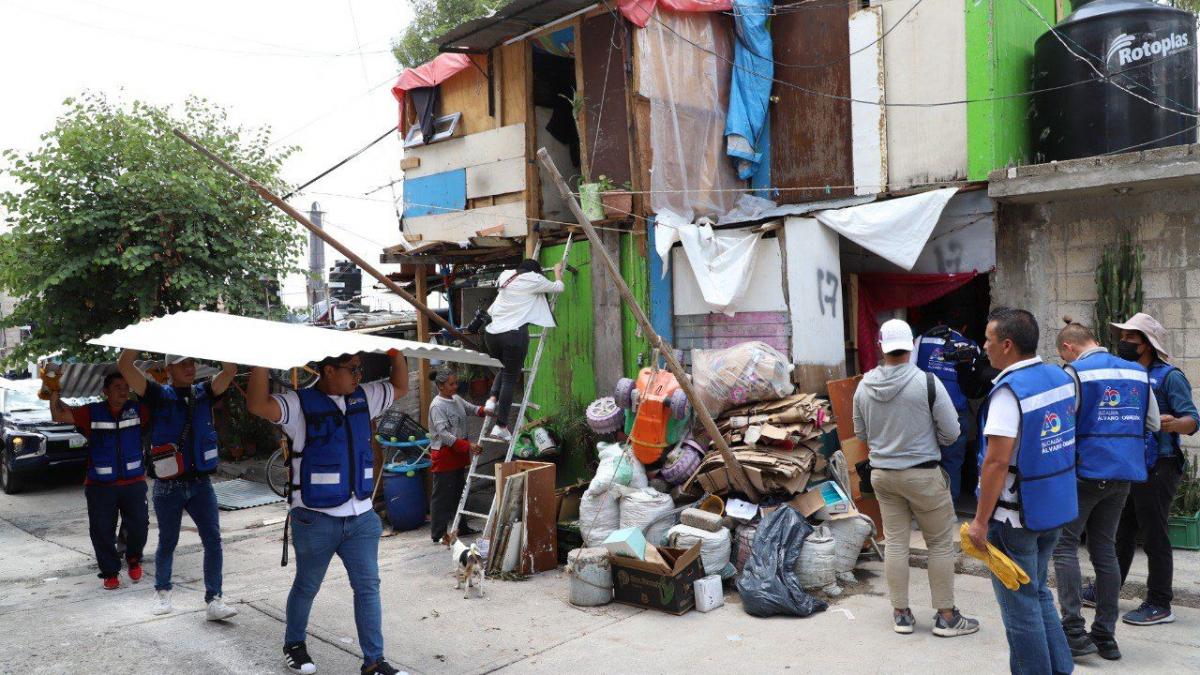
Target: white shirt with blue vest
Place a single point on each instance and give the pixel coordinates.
(378, 397)
(1034, 403)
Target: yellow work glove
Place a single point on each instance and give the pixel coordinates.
(1008, 572)
(51, 382)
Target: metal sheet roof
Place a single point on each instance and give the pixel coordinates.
(258, 342)
(80, 380)
(515, 18)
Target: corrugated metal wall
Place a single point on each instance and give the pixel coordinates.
(1000, 38)
(635, 271)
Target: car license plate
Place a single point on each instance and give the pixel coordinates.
(78, 442)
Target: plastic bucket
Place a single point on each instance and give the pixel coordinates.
(404, 494)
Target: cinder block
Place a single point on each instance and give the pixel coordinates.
(1157, 285)
(1192, 283)
(1079, 287)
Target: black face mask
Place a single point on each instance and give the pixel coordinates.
(1128, 350)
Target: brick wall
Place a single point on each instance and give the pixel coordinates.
(1047, 255)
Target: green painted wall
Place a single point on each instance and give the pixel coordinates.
(635, 270)
(566, 371)
(1000, 38)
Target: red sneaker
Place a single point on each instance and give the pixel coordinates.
(111, 584)
(135, 572)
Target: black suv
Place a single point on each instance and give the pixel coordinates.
(31, 442)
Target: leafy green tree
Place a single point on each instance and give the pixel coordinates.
(117, 219)
(432, 19)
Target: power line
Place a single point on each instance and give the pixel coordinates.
(390, 130)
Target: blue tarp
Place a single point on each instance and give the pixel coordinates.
(746, 134)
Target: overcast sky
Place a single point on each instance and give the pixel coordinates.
(318, 72)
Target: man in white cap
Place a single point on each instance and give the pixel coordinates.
(905, 416)
(1143, 339)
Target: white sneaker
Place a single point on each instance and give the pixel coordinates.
(162, 605)
(219, 611)
(500, 433)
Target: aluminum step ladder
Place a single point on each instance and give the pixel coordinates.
(484, 438)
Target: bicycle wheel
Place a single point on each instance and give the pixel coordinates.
(277, 473)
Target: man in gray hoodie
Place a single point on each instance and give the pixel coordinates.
(905, 416)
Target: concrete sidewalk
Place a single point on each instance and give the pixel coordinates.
(54, 617)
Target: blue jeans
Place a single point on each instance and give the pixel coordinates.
(355, 539)
(171, 499)
(954, 454)
(1037, 644)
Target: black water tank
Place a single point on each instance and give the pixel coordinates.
(1145, 48)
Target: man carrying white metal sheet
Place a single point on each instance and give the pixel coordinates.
(332, 480)
(183, 453)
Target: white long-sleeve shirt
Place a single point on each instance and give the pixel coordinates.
(522, 301)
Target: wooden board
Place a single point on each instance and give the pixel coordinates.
(467, 93)
(513, 90)
(444, 192)
(607, 350)
(868, 123)
(496, 178)
(463, 225)
(472, 150)
(607, 117)
(812, 132)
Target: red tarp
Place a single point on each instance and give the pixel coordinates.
(638, 11)
(883, 292)
(430, 74)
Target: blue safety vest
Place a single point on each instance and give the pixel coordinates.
(1044, 466)
(1111, 429)
(929, 359)
(115, 443)
(337, 461)
(166, 426)
(1159, 370)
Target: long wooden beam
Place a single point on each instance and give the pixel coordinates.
(736, 473)
(351, 255)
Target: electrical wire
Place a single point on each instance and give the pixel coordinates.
(390, 130)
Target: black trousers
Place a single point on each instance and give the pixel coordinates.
(447, 490)
(1146, 511)
(104, 502)
(510, 349)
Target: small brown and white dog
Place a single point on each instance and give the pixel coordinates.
(470, 566)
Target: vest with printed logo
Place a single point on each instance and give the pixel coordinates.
(1044, 466)
(1111, 430)
(337, 461)
(167, 421)
(929, 359)
(115, 443)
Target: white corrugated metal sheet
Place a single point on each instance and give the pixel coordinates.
(258, 342)
(81, 380)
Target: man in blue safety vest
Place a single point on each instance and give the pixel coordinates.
(932, 358)
(1143, 339)
(116, 477)
(1026, 485)
(332, 481)
(1114, 410)
(181, 414)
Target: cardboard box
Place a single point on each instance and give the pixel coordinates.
(824, 499)
(636, 583)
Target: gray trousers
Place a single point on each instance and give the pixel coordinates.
(1100, 506)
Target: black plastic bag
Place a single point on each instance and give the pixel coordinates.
(768, 583)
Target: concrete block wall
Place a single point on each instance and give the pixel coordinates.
(1047, 255)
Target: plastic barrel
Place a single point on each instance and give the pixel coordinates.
(404, 494)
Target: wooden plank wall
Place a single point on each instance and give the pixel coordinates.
(811, 133)
(718, 331)
(601, 51)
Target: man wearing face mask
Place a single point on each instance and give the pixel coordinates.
(1143, 339)
(1114, 411)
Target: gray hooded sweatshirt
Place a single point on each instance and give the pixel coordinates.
(892, 415)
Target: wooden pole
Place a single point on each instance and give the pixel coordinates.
(351, 255)
(426, 394)
(737, 475)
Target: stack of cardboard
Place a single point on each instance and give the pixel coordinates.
(793, 421)
(771, 471)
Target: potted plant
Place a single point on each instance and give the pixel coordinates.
(1184, 523)
(617, 200)
(478, 381)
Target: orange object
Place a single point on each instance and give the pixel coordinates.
(649, 434)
